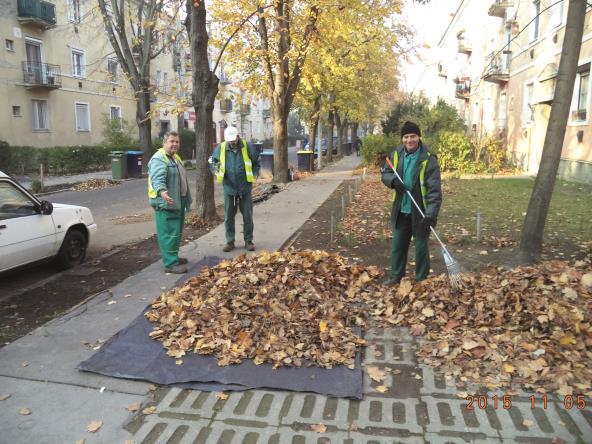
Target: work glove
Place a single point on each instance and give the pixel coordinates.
(428, 222)
(398, 185)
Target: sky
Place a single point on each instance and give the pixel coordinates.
(429, 22)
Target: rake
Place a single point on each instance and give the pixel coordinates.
(455, 270)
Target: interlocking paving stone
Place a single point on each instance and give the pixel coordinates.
(419, 406)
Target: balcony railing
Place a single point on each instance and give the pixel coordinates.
(498, 8)
(42, 75)
(225, 106)
(463, 88)
(498, 68)
(37, 13)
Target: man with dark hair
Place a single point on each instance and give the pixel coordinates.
(420, 174)
(168, 191)
(236, 166)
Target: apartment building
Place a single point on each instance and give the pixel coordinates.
(60, 80)
(497, 63)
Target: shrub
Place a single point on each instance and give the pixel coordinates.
(376, 147)
(117, 132)
(187, 143)
(454, 151)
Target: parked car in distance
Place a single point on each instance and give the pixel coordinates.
(323, 147)
(33, 230)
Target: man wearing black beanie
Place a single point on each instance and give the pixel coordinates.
(420, 172)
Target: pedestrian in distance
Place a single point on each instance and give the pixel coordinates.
(357, 145)
(236, 166)
(168, 191)
(420, 173)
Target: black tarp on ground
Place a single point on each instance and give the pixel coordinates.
(132, 354)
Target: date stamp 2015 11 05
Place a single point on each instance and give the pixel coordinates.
(481, 402)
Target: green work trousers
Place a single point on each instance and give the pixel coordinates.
(244, 202)
(169, 231)
(401, 239)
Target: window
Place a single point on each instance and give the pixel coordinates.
(115, 115)
(113, 70)
(74, 11)
(16, 111)
(13, 203)
(40, 121)
(579, 108)
(533, 28)
(158, 79)
(82, 117)
(528, 108)
(556, 18)
(165, 82)
(78, 64)
(9, 45)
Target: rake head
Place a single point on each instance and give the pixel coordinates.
(455, 270)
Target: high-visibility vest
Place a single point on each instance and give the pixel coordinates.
(222, 166)
(151, 193)
(422, 170)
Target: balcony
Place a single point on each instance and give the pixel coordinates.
(498, 8)
(224, 79)
(225, 106)
(463, 88)
(245, 109)
(498, 68)
(464, 46)
(36, 13)
(42, 75)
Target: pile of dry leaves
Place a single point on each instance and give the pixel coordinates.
(195, 221)
(95, 184)
(530, 326)
(288, 308)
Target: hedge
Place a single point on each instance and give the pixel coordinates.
(57, 160)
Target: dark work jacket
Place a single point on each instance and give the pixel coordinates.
(433, 185)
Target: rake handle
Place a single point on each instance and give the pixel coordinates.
(416, 205)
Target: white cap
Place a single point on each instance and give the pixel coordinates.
(230, 134)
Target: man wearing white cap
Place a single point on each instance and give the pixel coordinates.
(236, 166)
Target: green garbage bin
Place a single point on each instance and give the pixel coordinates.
(305, 160)
(118, 164)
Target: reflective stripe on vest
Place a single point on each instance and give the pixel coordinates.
(222, 166)
(422, 170)
(151, 193)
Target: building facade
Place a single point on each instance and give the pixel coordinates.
(60, 81)
(497, 63)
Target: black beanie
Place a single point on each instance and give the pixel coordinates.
(410, 128)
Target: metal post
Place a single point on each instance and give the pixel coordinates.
(478, 227)
(342, 207)
(41, 176)
(364, 174)
(349, 191)
(320, 148)
(332, 224)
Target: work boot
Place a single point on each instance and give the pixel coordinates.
(392, 280)
(182, 260)
(176, 269)
(228, 247)
(250, 246)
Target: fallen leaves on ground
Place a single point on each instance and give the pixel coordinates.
(134, 407)
(4, 397)
(197, 222)
(290, 308)
(93, 426)
(95, 184)
(530, 325)
(25, 411)
(367, 219)
(319, 428)
(149, 410)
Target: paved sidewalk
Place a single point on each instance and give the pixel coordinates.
(50, 181)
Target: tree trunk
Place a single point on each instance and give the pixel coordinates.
(338, 124)
(534, 223)
(205, 88)
(331, 120)
(180, 122)
(280, 144)
(313, 124)
(144, 124)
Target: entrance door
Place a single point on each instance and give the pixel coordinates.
(34, 60)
